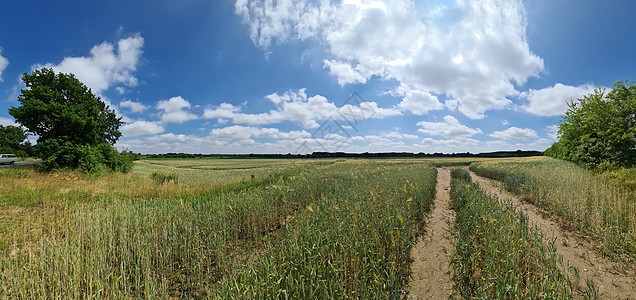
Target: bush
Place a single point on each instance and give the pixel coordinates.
(599, 128)
(162, 178)
(89, 159)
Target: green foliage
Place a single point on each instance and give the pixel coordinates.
(76, 129)
(12, 137)
(460, 174)
(498, 256)
(162, 178)
(599, 128)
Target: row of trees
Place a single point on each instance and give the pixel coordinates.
(600, 129)
(75, 128)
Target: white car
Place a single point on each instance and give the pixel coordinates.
(8, 159)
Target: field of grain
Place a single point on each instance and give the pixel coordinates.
(333, 228)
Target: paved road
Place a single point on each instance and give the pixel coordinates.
(21, 163)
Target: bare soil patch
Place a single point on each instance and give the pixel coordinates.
(578, 255)
(431, 276)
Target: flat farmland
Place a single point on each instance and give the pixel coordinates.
(324, 228)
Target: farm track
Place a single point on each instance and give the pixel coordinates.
(431, 276)
(612, 283)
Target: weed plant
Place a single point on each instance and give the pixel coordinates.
(162, 178)
(498, 255)
(581, 201)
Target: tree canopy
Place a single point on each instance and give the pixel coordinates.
(599, 128)
(12, 137)
(75, 128)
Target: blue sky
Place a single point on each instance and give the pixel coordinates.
(252, 76)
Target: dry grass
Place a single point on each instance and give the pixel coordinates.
(581, 201)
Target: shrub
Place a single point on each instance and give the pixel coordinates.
(599, 128)
(162, 178)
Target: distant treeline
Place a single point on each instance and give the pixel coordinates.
(517, 153)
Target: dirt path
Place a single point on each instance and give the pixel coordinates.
(431, 277)
(575, 251)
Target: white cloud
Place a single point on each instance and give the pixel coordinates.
(7, 122)
(515, 133)
(134, 107)
(138, 128)
(3, 64)
(345, 72)
(175, 110)
(419, 102)
(106, 65)
(450, 128)
(552, 101)
(397, 136)
(470, 51)
(539, 144)
(300, 108)
(553, 132)
(462, 143)
(225, 110)
(238, 132)
(169, 137)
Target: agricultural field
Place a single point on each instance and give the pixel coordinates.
(324, 228)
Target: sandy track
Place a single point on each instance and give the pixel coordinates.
(576, 252)
(431, 276)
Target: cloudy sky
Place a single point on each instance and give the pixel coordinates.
(297, 76)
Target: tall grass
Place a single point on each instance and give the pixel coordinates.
(33, 203)
(128, 247)
(582, 201)
(193, 246)
(354, 242)
(498, 255)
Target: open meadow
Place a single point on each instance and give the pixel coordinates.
(323, 228)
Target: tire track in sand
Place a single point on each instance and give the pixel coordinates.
(576, 252)
(431, 276)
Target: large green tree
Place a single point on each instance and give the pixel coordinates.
(600, 128)
(75, 128)
(12, 137)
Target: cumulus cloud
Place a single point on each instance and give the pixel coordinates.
(553, 132)
(134, 107)
(175, 110)
(515, 133)
(450, 128)
(419, 102)
(300, 108)
(552, 101)
(3, 64)
(138, 128)
(106, 66)
(238, 132)
(471, 51)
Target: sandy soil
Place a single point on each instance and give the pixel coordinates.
(431, 273)
(576, 252)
